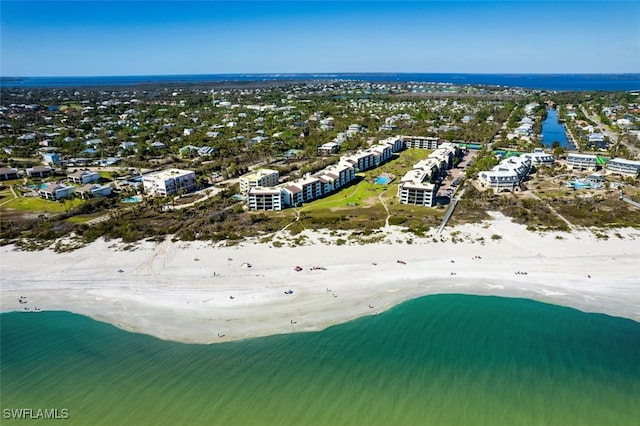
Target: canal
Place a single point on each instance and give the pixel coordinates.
(552, 131)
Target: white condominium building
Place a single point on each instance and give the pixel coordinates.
(624, 167)
(335, 177)
(301, 190)
(582, 161)
(381, 153)
(259, 198)
(415, 186)
(507, 175)
(395, 143)
(169, 182)
(361, 161)
(500, 180)
(422, 142)
(260, 177)
(539, 157)
(417, 193)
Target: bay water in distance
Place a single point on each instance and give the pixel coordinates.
(559, 82)
(436, 360)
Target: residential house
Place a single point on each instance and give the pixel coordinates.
(328, 148)
(7, 173)
(56, 191)
(51, 158)
(82, 177)
(539, 157)
(94, 190)
(39, 171)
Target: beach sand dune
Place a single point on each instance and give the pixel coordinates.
(200, 293)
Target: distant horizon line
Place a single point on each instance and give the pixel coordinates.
(328, 74)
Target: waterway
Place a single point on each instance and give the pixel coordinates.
(553, 130)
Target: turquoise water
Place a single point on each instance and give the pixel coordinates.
(382, 180)
(437, 360)
(133, 199)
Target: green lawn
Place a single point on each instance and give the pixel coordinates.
(40, 205)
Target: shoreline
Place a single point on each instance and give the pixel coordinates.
(197, 292)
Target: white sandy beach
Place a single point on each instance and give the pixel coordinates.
(165, 292)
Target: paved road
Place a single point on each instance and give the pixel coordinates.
(613, 136)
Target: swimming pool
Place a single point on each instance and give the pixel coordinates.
(382, 180)
(134, 199)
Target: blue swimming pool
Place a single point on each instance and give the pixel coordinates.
(382, 180)
(134, 199)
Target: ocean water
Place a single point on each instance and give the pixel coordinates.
(560, 82)
(437, 360)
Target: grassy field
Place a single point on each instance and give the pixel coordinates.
(37, 204)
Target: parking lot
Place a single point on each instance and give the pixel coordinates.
(451, 183)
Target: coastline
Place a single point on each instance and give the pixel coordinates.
(195, 292)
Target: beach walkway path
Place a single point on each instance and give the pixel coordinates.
(630, 201)
(569, 224)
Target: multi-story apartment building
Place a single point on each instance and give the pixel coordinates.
(169, 182)
(260, 177)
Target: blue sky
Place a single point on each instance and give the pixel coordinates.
(90, 38)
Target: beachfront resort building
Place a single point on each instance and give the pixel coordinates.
(539, 157)
(56, 191)
(419, 185)
(624, 167)
(169, 182)
(259, 198)
(417, 193)
(261, 177)
(577, 161)
(507, 175)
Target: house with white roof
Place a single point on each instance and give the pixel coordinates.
(82, 177)
(169, 182)
(539, 157)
